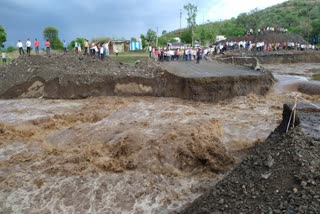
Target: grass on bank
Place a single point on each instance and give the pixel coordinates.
(316, 77)
(10, 56)
(129, 57)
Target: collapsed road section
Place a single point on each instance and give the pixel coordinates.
(71, 77)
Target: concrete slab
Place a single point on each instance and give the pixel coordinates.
(189, 69)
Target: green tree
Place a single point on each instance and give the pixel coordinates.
(164, 32)
(191, 18)
(242, 21)
(10, 49)
(79, 41)
(186, 36)
(51, 33)
(254, 19)
(133, 39)
(3, 37)
(316, 27)
(143, 41)
(151, 36)
(162, 41)
(202, 36)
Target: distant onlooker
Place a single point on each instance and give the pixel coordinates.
(76, 48)
(64, 46)
(86, 47)
(20, 46)
(36, 46)
(102, 53)
(150, 51)
(198, 55)
(4, 57)
(48, 45)
(92, 49)
(28, 44)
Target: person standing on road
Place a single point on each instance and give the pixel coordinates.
(107, 48)
(4, 57)
(76, 49)
(86, 46)
(198, 56)
(36, 46)
(64, 46)
(102, 53)
(28, 44)
(20, 46)
(150, 50)
(48, 45)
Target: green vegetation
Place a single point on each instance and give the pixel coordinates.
(150, 37)
(51, 33)
(191, 18)
(3, 37)
(130, 57)
(10, 56)
(300, 17)
(79, 41)
(316, 77)
(11, 49)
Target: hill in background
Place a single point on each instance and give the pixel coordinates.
(300, 17)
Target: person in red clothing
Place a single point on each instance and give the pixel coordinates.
(36, 46)
(47, 46)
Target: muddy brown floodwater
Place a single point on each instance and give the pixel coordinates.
(128, 154)
(61, 155)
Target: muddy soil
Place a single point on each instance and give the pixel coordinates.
(71, 77)
(280, 175)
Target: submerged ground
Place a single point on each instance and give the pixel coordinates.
(126, 154)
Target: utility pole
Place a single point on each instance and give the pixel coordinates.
(157, 38)
(180, 24)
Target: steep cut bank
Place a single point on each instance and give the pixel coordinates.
(70, 77)
(281, 175)
(275, 57)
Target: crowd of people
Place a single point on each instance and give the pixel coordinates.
(262, 46)
(268, 29)
(95, 49)
(36, 46)
(169, 53)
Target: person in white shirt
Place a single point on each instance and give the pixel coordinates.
(28, 44)
(150, 51)
(102, 53)
(20, 46)
(4, 57)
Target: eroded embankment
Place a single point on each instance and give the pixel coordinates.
(39, 76)
(279, 176)
(277, 57)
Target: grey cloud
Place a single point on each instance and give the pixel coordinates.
(88, 18)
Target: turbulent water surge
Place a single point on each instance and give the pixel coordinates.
(117, 154)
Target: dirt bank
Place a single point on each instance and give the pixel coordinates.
(312, 88)
(70, 76)
(280, 175)
(276, 57)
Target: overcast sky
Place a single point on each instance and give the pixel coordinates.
(24, 19)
